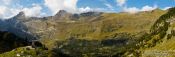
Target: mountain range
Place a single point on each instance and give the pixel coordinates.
(91, 34)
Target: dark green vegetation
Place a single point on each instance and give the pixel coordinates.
(96, 48)
(104, 35)
(9, 41)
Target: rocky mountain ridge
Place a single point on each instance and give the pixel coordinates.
(97, 34)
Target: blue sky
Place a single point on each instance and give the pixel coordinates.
(39, 8)
(129, 3)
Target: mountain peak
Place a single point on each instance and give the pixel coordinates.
(61, 13)
(20, 14)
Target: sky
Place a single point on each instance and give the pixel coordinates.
(41, 8)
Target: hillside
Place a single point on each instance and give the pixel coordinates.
(9, 41)
(104, 26)
(97, 34)
(162, 36)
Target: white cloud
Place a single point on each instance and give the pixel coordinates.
(109, 6)
(3, 10)
(34, 11)
(86, 9)
(89, 9)
(135, 10)
(131, 10)
(120, 2)
(166, 8)
(6, 12)
(70, 5)
(56, 5)
(148, 8)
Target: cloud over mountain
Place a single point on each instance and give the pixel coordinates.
(6, 12)
(56, 5)
(166, 8)
(9, 8)
(135, 9)
(34, 11)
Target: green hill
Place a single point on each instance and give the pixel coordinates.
(104, 35)
(162, 36)
(105, 26)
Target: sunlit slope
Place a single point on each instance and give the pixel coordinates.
(108, 24)
(109, 34)
(105, 26)
(162, 38)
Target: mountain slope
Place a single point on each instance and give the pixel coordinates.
(162, 35)
(9, 41)
(96, 34)
(104, 26)
(15, 25)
